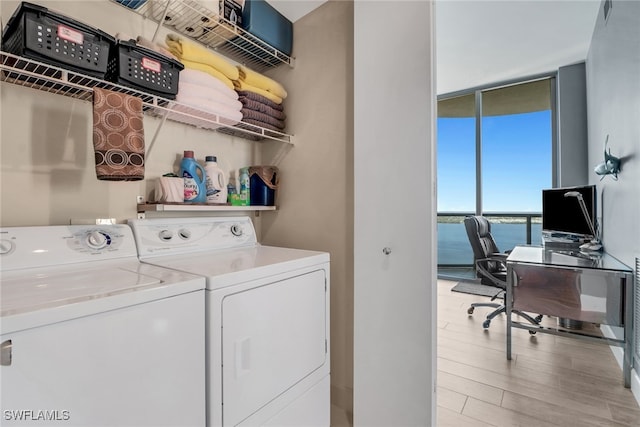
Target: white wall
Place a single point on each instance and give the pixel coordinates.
(47, 169)
(394, 189)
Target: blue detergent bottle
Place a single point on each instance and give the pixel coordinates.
(195, 190)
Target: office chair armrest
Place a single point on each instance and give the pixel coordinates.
(499, 258)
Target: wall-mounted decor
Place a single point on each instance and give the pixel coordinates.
(610, 166)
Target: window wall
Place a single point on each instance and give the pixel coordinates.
(495, 149)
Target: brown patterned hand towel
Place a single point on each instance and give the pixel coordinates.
(118, 136)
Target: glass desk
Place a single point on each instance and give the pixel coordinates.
(570, 284)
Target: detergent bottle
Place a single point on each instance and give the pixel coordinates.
(194, 184)
(215, 183)
(245, 187)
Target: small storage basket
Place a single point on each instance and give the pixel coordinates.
(144, 69)
(37, 33)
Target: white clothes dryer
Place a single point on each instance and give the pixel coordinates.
(267, 318)
(92, 337)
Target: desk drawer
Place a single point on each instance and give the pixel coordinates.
(569, 293)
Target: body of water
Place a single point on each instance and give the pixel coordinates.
(454, 246)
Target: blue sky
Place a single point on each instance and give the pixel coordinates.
(516, 161)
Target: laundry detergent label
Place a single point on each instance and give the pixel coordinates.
(69, 34)
(191, 189)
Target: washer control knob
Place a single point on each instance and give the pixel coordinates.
(185, 234)
(165, 235)
(97, 240)
(236, 230)
(6, 246)
(386, 250)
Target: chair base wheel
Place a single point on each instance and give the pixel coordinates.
(532, 332)
(538, 318)
(486, 324)
(470, 310)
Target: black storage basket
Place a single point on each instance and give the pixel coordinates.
(144, 69)
(37, 33)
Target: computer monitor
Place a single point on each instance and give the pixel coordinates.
(563, 215)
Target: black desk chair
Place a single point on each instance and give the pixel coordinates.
(491, 268)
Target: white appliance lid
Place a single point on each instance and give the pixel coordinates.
(228, 267)
(44, 288)
(54, 273)
(36, 297)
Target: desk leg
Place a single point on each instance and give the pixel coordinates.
(508, 306)
(627, 283)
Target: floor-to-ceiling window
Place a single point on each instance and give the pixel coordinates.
(495, 148)
(456, 176)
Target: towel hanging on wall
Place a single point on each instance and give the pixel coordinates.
(118, 136)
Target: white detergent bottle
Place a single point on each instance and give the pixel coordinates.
(216, 183)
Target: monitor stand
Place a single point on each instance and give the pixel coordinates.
(561, 241)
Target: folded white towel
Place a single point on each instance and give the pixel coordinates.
(227, 114)
(190, 90)
(200, 78)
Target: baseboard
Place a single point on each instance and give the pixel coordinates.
(635, 385)
(618, 353)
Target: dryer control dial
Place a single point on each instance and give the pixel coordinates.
(97, 240)
(236, 230)
(165, 235)
(6, 246)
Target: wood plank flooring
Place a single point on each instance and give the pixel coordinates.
(550, 381)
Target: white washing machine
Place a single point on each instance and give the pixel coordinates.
(267, 318)
(92, 337)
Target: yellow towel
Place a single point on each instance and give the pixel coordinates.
(190, 51)
(241, 85)
(209, 70)
(261, 81)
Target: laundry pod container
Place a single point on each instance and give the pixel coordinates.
(264, 182)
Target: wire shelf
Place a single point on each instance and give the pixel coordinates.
(191, 19)
(29, 73)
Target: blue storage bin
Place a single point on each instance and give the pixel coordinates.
(264, 182)
(132, 4)
(263, 21)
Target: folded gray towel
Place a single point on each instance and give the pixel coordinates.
(261, 107)
(265, 118)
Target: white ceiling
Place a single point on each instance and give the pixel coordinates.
(486, 41)
(482, 42)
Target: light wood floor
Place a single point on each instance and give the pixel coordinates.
(550, 381)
